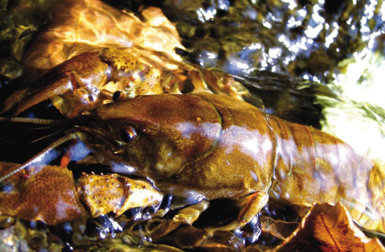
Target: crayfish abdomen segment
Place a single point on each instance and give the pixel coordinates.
(313, 166)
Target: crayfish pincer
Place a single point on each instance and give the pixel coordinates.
(211, 146)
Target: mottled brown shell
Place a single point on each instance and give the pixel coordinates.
(46, 194)
(114, 193)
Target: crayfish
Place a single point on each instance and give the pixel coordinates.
(207, 146)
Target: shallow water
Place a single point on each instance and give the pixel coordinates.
(296, 57)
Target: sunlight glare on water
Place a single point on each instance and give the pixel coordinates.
(360, 118)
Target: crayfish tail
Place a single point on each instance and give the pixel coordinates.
(376, 186)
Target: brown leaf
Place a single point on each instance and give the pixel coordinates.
(329, 228)
(73, 26)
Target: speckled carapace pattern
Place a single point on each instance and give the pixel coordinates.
(117, 194)
(45, 193)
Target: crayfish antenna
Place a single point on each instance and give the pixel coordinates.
(46, 136)
(37, 121)
(55, 144)
(45, 123)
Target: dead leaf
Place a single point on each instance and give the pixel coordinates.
(277, 228)
(329, 228)
(73, 31)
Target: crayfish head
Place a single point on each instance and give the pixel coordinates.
(158, 135)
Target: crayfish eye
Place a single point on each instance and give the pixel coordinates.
(128, 134)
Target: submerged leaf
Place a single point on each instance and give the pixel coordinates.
(329, 228)
(20, 237)
(277, 228)
(74, 31)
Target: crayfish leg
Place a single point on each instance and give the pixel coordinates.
(158, 226)
(250, 206)
(191, 213)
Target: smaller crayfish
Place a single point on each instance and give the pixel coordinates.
(103, 75)
(88, 80)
